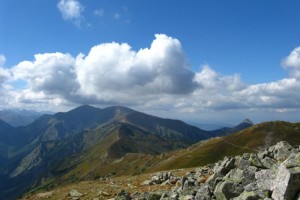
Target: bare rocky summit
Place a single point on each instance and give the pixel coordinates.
(273, 173)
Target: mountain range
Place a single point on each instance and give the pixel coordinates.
(89, 142)
(18, 117)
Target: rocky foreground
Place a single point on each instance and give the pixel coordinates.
(270, 174)
(273, 173)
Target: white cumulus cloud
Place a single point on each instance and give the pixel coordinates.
(210, 80)
(2, 60)
(114, 69)
(71, 10)
(4, 73)
(110, 73)
(278, 95)
(50, 73)
(158, 77)
(292, 63)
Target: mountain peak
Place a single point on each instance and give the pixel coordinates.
(84, 107)
(247, 121)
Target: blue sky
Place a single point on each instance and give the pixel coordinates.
(195, 60)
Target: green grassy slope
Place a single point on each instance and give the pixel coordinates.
(249, 140)
(104, 160)
(123, 149)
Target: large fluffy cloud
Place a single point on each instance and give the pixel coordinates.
(281, 94)
(229, 93)
(111, 72)
(158, 77)
(52, 73)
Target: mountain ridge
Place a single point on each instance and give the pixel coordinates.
(53, 141)
(204, 153)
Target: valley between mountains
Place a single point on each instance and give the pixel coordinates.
(89, 144)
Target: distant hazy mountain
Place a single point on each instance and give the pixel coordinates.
(209, 126)
(55, 144)
(7, 140)
(17, 117)
(227, 130)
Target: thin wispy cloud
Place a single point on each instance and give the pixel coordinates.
(117, 16)
(99, 12)
(71, 10)
(121, 15)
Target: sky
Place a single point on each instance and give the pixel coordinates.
(207, 61)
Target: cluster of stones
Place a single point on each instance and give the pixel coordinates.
(162, 178)
(270, 174)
